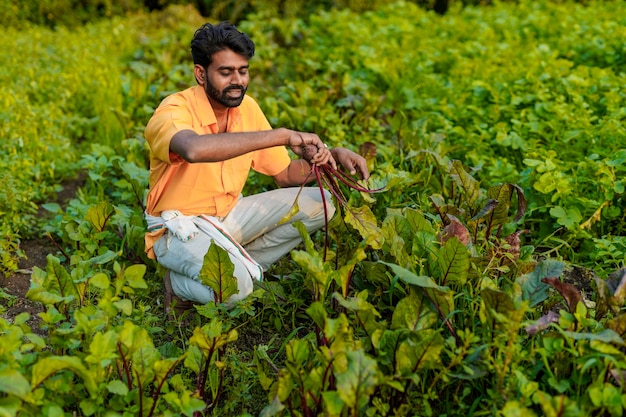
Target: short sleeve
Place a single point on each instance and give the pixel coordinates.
(170, 117)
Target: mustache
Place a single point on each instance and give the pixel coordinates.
(234, 87)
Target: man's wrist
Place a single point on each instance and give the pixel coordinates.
(284, 134)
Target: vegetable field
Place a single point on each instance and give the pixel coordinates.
(486, 279)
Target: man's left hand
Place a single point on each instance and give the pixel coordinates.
(351, 161)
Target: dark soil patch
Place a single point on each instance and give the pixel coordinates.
(18, 283)
(581, 278)
(36, 251)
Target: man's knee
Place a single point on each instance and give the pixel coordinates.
(316, 207)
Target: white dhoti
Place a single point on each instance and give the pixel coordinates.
(250, 233)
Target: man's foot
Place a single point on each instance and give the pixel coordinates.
(172, 301)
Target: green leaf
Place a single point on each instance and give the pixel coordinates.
(218, 273)
(503, 194)
(52, 207)
(10, 406)
(272, 409)
(135, 340)
(606, 335)
(366, 312)
(298, 351)
(193, 359)
(89, 320)
(100, 214)
(386, 343)
(106, 257)
(134, 276)
(295, 209)
(413, 279)
(396, 232)
(420, 351)
(36, 340)
(58, 279)
(515, 409)
(125, 306)
(190, 405)
(467, 183)
(343, 275)
(418, 222)
(364, 221)
(443, 301)
(533, 289)
(569, 218)
(13, 382)
(318, 313)
(88, 407)
(264, 366)
(359, 380)
(333, 404)
(453, 261)
(47, 367)
(103, 349)
(45, 291)
(316, 269)
(212, 336)
(498, 303)
(414, 313)
(117, 387)
(100, 280)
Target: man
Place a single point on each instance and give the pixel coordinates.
(203, 143)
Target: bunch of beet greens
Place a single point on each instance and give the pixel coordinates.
(331, 178)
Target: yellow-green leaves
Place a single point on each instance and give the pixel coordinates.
(212, 336)
(218, 273)
(53, 286)
(49, 366)
(12, 382)
(357, 378)
(364, 221)
(453, 262)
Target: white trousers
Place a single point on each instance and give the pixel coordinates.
(254, 224)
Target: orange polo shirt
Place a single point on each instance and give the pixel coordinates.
(210, 188)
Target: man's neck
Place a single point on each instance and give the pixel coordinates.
(221, 115)
(218, 108)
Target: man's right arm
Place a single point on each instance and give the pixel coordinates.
(222, 146)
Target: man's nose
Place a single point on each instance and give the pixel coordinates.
(236, 79)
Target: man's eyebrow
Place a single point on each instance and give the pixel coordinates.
(225, 67)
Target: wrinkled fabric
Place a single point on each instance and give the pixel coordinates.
(256, 233)
(182, 251)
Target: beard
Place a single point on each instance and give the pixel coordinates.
(222, 96)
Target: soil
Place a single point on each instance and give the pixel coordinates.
(582, 278)
(36, 251)
(18, 283)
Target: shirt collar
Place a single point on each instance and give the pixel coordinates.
(207, 115)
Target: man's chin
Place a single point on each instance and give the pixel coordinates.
(232, 101)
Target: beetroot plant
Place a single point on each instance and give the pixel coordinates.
(333, 179)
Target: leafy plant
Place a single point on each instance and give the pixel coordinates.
(489, 280)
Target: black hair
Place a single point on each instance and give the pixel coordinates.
(210, 39)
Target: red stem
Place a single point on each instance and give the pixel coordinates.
(349, 181)
(319, 183)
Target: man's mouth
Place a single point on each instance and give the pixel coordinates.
(234, 92)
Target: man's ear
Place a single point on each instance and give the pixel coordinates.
(199, 73)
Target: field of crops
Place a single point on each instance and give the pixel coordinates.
(485, 280)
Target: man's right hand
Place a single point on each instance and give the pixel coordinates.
(298, 140)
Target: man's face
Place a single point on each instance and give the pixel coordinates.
(226, 79)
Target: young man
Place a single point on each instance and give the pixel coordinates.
(203, 143)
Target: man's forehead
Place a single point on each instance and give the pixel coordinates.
(228, 59)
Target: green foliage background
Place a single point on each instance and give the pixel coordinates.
(469, 111)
